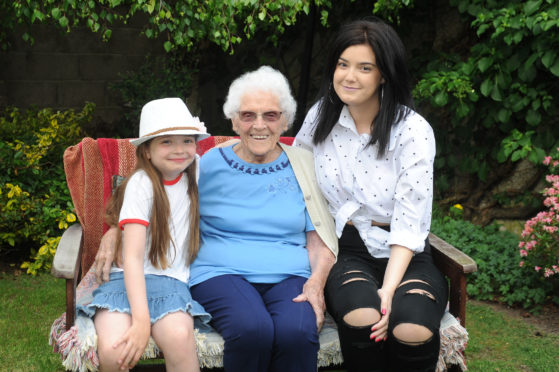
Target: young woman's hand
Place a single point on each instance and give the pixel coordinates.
(135, 340)
(380, 329)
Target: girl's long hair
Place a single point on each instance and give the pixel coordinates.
(390, 58)
(160, 211)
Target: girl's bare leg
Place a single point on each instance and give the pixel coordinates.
(110, 326)
(174, 334)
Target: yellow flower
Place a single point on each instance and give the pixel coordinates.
(458, 206)
(70, 217)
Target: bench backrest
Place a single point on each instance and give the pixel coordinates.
(90, 166)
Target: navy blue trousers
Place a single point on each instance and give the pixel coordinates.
(263, 329)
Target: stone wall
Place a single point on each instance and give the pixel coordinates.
(64, 70)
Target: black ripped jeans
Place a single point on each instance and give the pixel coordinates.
(353, 283)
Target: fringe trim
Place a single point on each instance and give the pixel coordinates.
(454, 339)
(77, 346)
(209, 346)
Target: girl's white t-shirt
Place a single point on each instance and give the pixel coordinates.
(136, 208)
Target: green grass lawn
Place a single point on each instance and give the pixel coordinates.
(28, 306)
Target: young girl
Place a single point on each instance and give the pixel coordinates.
(157, 210)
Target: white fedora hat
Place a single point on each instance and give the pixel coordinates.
(167, 116)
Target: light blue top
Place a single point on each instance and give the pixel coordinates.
(253, 220)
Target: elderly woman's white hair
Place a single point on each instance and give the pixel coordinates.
(265, 79)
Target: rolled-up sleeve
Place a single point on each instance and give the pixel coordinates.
(414, 153)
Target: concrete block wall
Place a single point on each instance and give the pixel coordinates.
(64, 70)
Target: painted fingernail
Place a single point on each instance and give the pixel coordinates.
(374, 329)
(385, 337)
(371, 337)
(377, 339)
(383, 311)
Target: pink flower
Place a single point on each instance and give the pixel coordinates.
(521, 244)
(531, 244)
(548, 272)
(523, 253)
(521, 263)
(547, 160)
(537, 268)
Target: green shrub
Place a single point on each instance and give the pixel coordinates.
(499, 276)
(35, 204)
(158, 77)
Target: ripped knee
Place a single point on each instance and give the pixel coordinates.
(355, 276)
(412, 334)
(420, 291)
(362, 317)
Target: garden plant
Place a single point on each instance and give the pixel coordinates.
(35, 203)
(539, 245)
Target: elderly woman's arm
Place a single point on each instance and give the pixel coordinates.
(321, 260)
(106, 255)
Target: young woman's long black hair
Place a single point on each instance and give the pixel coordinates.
(390, 57)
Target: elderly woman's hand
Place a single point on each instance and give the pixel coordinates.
(313, 293)
(106, 255)
(321, 260)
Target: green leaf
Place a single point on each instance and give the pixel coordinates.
(503, 115)
(531, 6)
(501, 157)
(484, 63)
(168, 46)
(527, 73)
(496, 94)
(150, 6)
(482, 29)
(517, 155)
(548, 58)
(55, 12)
(486, 87)
(37, 14)
(462, 110)
(441, 99)
(536, 156)
(63, 21)
(555, 68)
(533, 117)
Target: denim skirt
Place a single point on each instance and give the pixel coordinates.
(164, 295)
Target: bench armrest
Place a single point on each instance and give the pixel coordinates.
(65, 262)
(452, 258)
(454, 264)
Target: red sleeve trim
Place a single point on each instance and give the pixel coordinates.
(132, 220)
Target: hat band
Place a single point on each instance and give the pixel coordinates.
(171, 129)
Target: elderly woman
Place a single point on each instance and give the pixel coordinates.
(267, 238)
(262, 264)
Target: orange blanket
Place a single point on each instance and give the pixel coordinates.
(89, 168)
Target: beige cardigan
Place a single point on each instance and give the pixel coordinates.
(302, 162)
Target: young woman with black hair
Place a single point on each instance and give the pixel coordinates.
(374, 162)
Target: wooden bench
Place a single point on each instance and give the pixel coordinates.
(90, 167)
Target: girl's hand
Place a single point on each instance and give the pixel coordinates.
(135, 340)
(380, 329)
